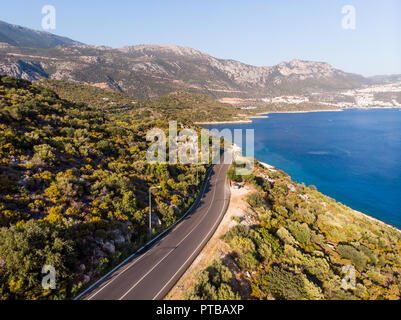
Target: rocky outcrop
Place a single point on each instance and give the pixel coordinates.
(24, 70)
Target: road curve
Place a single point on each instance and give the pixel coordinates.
(151, 275)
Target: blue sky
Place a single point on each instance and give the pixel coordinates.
(255, 32)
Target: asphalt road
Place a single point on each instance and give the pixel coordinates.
(151, 275)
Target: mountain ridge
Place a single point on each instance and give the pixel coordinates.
(149, 71)
(25, 37)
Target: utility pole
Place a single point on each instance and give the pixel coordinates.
(150, 210)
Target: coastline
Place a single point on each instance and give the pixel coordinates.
(265, 115)
(306, 111)
(273, 168)
(261, 115)
(245, 121)
(270, 167)
(205, 123)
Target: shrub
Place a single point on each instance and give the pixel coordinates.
(232, 175)
(212, 284)
(203, 290)
(285, 236)
(284, 284)
(239, 230)
(247, 261)
(218, 273)
(301, 232)
(271, 240)
(351, 253)
(256, 201)
(265, 252)
(242, 245)
(44, 154)
(226, 293)
(26, 248)
(106, 147)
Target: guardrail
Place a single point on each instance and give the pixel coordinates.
(151, 242)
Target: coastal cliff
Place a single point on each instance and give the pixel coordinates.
(289, 241)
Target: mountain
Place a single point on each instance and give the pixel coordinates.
(178, 105)
(148, 71)
(23, 37)
(384, 79)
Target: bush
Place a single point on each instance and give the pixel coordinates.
(285, 236)
(218, 273)
(284, 284)
(25, 249)
(351, 253)
(270, 240)
(44, 154)
(212, 284)
(232, 175)
(239, 230)
(106, 147)
(226, 293)
(203, 290)
(301, 232)
(265, 252)
(247, 261)
(242, 245)
(256, 201)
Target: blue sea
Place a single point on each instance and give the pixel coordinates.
(353, 156)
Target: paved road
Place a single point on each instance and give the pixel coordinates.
(152, 275)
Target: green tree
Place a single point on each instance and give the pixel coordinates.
(28, 247)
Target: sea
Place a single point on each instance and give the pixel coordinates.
(353, 156)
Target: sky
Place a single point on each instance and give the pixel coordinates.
(256, 32)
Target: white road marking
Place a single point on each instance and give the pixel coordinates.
(131, 264)
(214, 193)
(202, 243)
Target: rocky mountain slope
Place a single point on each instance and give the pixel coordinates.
(147, 71)
(24, 37)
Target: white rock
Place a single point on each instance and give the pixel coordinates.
(109, 248)
(86, 279)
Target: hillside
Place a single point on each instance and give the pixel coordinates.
(294, 243)
(149, 71)
(74, 189)
(23, 37)
(180, 105)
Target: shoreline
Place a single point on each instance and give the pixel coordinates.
(305, 111)
(206, 123)
(265, 115)
(260, 115)
(270, 167)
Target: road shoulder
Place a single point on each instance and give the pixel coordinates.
(215, 248)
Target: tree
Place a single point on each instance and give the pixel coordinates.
(28, 247)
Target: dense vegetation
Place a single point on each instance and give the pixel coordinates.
(299, 247)
(73, 194)
(181, 106)
(74, 187)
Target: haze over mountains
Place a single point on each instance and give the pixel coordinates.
(20, 36)
(148, 71)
